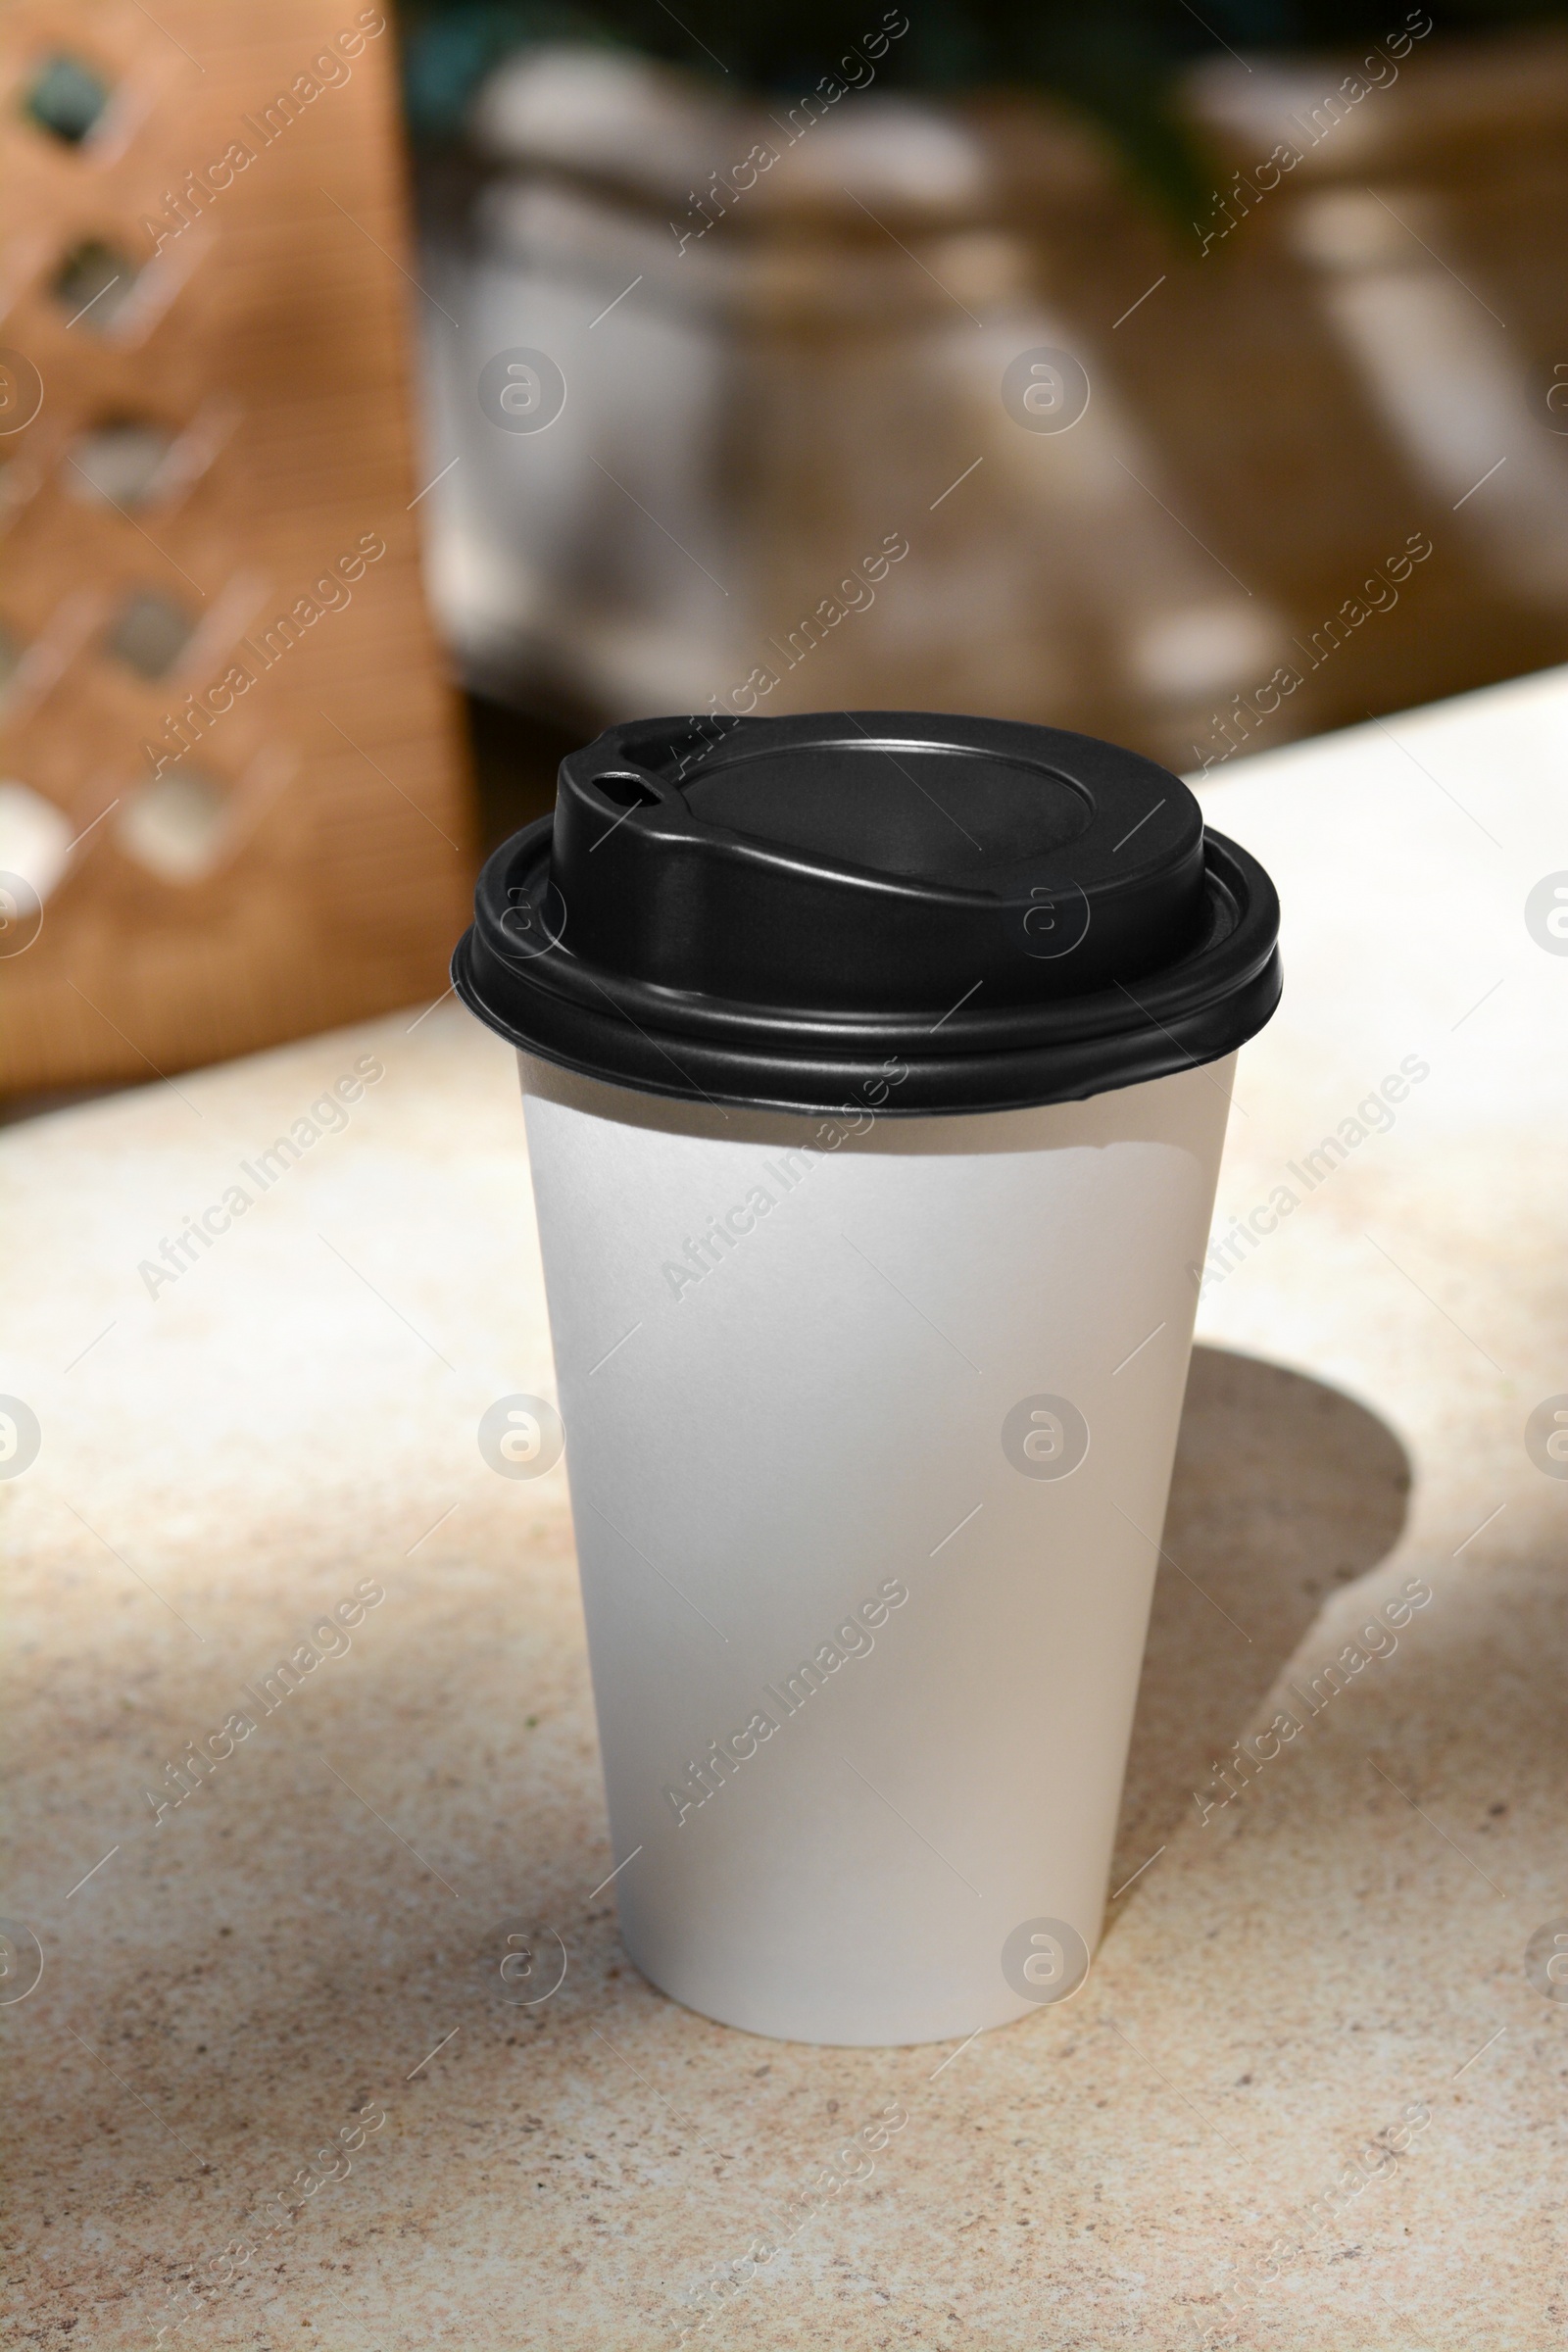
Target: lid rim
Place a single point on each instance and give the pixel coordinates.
(955, 1086)
(1080, 1046)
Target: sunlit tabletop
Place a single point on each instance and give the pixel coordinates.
(271, 2087)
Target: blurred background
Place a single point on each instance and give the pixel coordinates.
(387, 403)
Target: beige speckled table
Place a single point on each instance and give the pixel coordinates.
(1310, 2095)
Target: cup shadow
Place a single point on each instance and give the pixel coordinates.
(1284, 1489)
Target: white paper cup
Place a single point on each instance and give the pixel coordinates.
(869, 1428)
(869, 1411)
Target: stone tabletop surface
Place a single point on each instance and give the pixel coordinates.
(271, 2089)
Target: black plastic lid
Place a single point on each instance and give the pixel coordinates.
(783, 912)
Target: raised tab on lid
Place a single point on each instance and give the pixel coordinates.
(873, 860)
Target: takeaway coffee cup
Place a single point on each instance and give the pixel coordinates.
(876, 1068)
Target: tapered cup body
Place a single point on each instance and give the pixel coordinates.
(869, 1430)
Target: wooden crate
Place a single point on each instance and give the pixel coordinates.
(221, 673)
